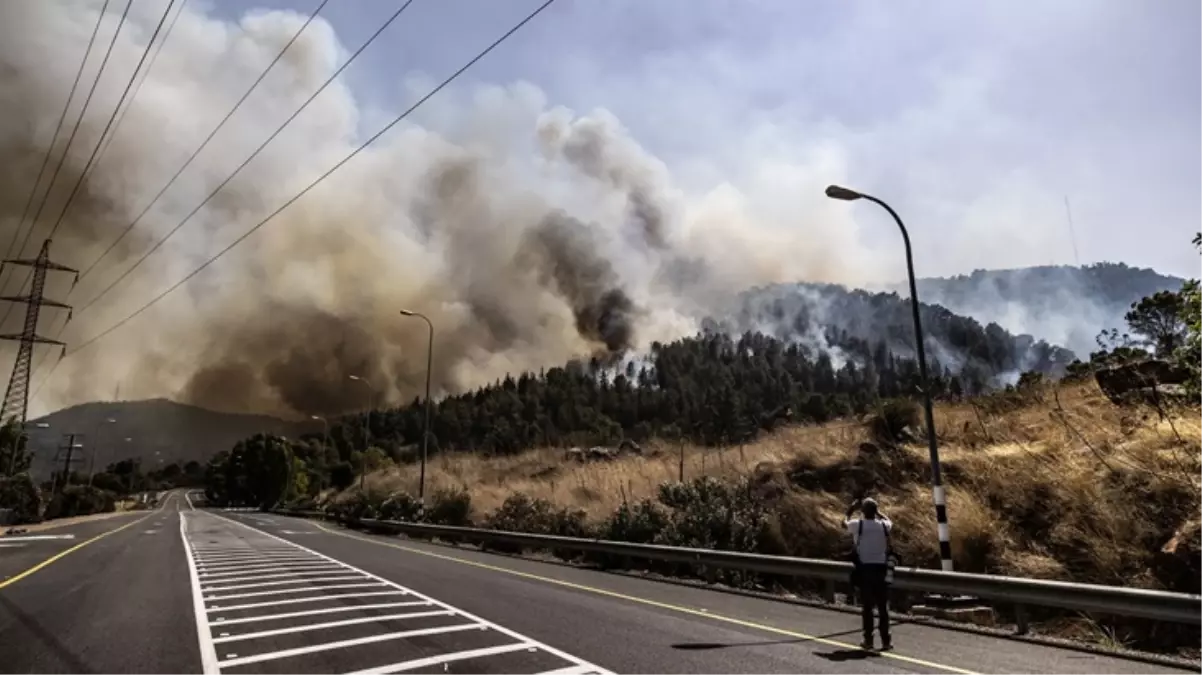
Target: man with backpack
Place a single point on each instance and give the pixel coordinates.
(871, 554)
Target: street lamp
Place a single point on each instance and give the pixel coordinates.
(325, 443)
(421, 482)
(945, 546)
(366, 427)
(96, 450)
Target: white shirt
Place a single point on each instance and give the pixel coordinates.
(871, 544)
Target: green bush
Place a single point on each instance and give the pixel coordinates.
(709, 513)
(520, 513)
(400, 506)
(21, 494)
(640, 523)
(357, 505)
(450, 507)
(80, 500)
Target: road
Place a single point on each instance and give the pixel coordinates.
(183, 590)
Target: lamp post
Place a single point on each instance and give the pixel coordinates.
(940, 496)
(421, 481)
(325, 443)
(366, 428)
(96, 449)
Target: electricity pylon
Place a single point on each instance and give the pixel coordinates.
(16, 398)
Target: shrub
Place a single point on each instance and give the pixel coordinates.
(520, 513)
(450, 507)
(342, 475)
(357, 505)
(80, 500)
(709, 513)
(400, 506)
(640, 523)
(894, 423)
(21, 494)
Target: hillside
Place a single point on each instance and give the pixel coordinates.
(1050, 482)
(1062, 304)
(157, 429)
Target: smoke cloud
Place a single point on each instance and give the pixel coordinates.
(553, 236)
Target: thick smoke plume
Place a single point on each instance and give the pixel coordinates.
(527, 243)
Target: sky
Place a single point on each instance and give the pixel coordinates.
(976, 121)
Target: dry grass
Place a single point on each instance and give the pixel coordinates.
(1058, 484)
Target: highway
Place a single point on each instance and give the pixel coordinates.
(192, 590)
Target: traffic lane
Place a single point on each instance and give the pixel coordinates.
(119, 605)
(266, 605)
(612, 632)
(19, 553)
(953, 649)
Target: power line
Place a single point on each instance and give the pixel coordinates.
(204, 144)
(70, 141)
(83, 176)
(57, 130)
(245, 162)
(297, 196)
(145, 75)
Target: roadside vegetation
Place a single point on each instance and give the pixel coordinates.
(24, 501)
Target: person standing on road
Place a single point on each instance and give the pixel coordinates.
(872, 548)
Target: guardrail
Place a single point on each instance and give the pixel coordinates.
(1018, 592)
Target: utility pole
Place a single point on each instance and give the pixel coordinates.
(69, 448)
(16, 397)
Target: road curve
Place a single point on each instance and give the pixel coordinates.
(181, 590)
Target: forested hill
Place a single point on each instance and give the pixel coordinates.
(801, 352)
(1062, 304)
(825, 317)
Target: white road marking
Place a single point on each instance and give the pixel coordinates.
(151, 532)
(287, 582)
(239, 552)
(570, 670)
(448, 658)
(333, 624)
(3, 545)
(373, 584)
(35, 537)
(324, 610)
(208, 655)
(213, 598)
(296, 601)
(279, 565)
(223, 577)
(327, 646)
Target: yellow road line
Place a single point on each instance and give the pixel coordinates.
(47, 561)
(644, 601)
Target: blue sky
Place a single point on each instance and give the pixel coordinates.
(975, 120)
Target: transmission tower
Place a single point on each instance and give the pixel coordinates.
(16, 398)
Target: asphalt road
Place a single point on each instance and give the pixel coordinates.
(182, 590)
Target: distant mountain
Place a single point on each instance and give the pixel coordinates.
(1062, 304)
(153, 430)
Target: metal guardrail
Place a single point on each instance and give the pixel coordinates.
(1019, 592)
